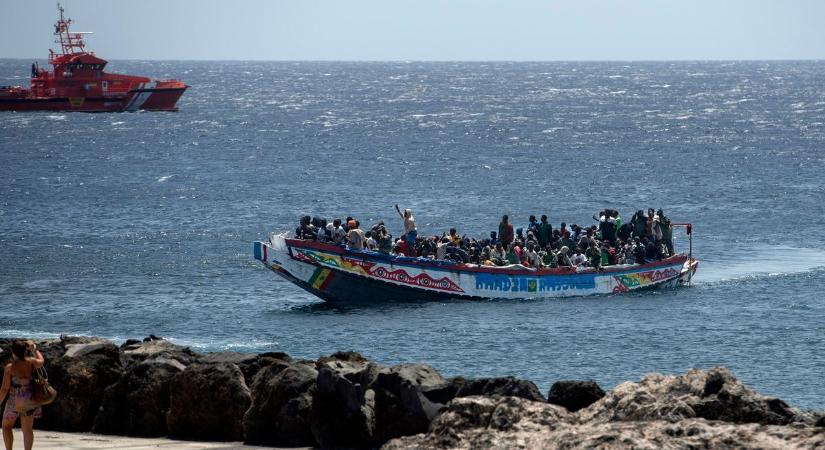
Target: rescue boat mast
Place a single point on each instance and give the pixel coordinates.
(70, 42)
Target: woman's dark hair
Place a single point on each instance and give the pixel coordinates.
(18, 348)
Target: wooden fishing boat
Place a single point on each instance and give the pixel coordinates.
(340, 275)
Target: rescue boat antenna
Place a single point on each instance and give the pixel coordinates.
(69, 42)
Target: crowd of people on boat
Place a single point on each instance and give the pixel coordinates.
(609, 241)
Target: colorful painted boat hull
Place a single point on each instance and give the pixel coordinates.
(339, 275)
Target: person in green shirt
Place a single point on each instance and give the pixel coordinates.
(545, 231)
(512, 256)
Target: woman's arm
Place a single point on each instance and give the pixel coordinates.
(37, 360)
(4, 389)
(399, 211)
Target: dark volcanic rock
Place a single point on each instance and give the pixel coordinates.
(249, 363)
(137, 404)
(81, 375)
(503, 386)
(574, 395)
(281, 404)
(208, 402)
(402, 405)
(343, 408)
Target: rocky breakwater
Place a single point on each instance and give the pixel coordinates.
(697, 410)
(156, 388)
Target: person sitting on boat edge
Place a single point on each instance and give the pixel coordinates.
(322, 233)
(337, 232)
(533, 256)
(594, 255)
(562, 259)
(356, 239)
(454, 237)
(513, 254)
(578, 259)
(305, 229)
(498, 256)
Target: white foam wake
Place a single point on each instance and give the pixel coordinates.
(760, 261)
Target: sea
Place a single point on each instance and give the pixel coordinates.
(122, 225)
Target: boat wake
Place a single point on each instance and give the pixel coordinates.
(760, 262)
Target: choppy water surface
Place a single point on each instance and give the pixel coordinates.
(121, 225)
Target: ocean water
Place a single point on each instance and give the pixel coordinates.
(122, 225)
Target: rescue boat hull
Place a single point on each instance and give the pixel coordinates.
(157, 99)
(338, 275)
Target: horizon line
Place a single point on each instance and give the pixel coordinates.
(454, 60)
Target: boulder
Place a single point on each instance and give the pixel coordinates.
(80, 375)
(712, 395)
(490, 422)
(133, 352)
(208, 402)
(249, 363)
(137, 404)
(502, 386)
(403, 404)
(574, 395)
(281, 404)
(343, 406)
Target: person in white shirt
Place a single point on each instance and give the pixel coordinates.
(337, 232)
(441, 248)
(410, 231)
(532, 257)
(578, 258)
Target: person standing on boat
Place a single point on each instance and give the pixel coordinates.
(639, 224)
(532, 226)
(545, 231)
(667, 231)
(410, 231)
(505, 231)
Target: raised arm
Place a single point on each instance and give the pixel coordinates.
(37, 360)
(399, 211)
(4, 389)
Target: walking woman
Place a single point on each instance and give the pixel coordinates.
(17, 380)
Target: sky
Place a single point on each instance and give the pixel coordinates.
(425, 30)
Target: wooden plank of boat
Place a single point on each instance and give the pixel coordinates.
(337, 274)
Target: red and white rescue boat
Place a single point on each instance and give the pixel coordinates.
(78, 83)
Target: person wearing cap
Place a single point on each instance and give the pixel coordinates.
(356, 239)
